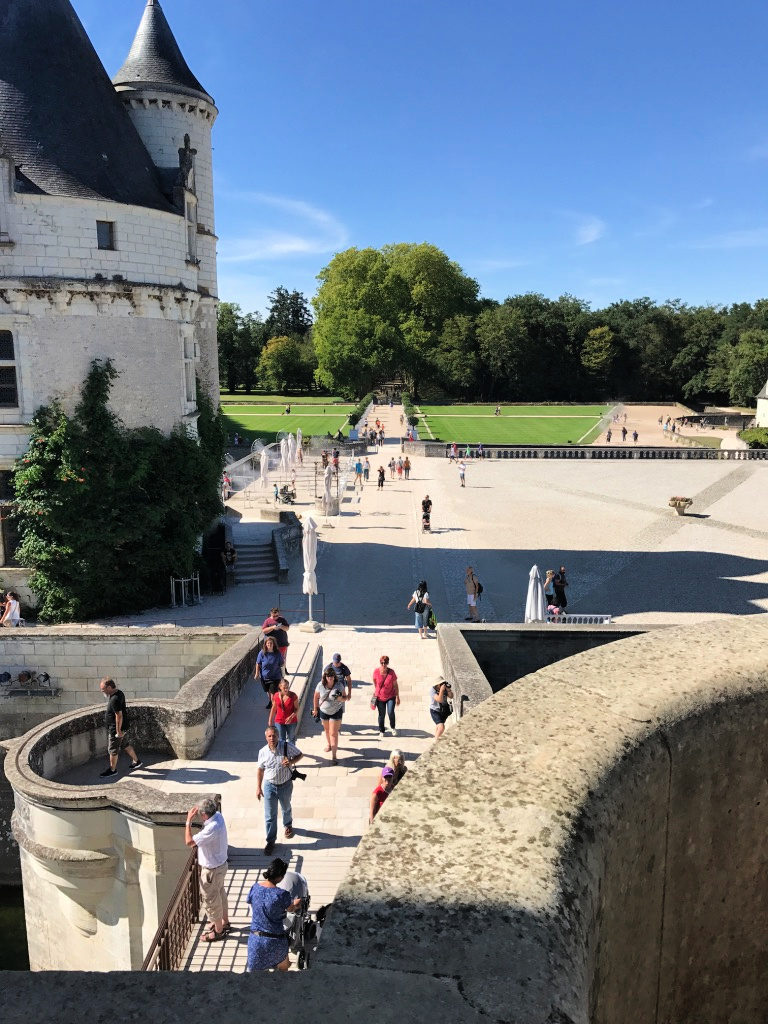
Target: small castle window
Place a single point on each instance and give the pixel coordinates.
(105, 234)
(9, 392)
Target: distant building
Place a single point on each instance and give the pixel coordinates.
(761, 416)
(107, 240)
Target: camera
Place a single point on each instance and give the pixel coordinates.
(295, 774)
(337, 694)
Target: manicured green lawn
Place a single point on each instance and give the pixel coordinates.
(521, 424)
(265, 423)
(240, 398)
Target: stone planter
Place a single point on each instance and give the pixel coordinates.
(681, 507)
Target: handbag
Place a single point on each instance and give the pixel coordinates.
(373, 704)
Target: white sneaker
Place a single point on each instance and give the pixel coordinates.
(394, 732)
(381, 734)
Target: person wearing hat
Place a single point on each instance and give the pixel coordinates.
(382, 791)
(342, 673)
(440, 709)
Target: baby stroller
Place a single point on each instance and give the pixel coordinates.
(287, 495)
(426, 525)
(302, 927)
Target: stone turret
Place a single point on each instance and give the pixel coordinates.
(174, 116)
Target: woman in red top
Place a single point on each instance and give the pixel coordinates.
(284, 713)
(380, 794)
(385, 694)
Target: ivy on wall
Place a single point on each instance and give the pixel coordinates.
(106, 513)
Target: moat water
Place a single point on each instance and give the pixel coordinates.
(13, 931)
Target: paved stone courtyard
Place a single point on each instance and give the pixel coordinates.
(626, 551)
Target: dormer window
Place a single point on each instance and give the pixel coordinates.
(105, 234)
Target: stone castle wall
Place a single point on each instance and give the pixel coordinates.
(146, 664)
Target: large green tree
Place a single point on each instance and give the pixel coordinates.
(381, 313)
(288, 314)
(241, 337)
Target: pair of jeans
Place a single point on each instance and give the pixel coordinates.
(387, 706)
(275, 793)
(287, 732)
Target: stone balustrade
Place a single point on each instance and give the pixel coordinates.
(434, 449)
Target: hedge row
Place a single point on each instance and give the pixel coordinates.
(410, 412)
(757, 437)
(357, 412)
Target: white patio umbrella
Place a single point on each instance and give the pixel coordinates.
(299, 439)
(309, 583)
(291, 451)
(535, 602)
(284, 456)
(264, 469)
(327, 487)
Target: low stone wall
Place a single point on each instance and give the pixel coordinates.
(588, 844)
(145, 663)
(99, 863)
(505, 652)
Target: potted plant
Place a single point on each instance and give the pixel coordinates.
(680, 505)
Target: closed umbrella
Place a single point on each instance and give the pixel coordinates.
(264, 469)
(309, 550)
(291, 450)
(535, 602)
(327, 488)
(299, 439)
(284, 456)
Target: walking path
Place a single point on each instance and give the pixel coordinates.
(330, 809)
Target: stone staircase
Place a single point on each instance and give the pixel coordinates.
(255, 563)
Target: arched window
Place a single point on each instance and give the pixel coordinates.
(9, 392)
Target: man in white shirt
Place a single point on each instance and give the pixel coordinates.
(274, 779)
(212, 845)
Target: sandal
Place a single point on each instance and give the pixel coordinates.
(213, 936)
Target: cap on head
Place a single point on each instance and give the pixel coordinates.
(336, 657)
(387, 773)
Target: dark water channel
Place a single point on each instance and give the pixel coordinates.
(13, 932)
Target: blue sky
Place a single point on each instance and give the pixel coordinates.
(606, 150)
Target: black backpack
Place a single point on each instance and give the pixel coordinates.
(479, 586)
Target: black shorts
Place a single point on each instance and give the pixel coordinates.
(331, 718)
(440, 717)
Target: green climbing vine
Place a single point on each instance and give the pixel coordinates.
(107, 513)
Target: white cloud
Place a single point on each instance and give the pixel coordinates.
(275, 227)
(587, 227)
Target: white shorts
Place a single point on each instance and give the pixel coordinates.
(471, 600)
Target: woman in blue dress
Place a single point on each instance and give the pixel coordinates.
(268, 941)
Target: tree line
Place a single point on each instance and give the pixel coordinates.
(273, 353)
(407, 311)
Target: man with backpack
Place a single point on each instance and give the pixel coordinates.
(474, 588)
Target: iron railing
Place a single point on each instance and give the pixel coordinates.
(179, 920)
(295, 606)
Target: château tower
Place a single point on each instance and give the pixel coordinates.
(174, 116)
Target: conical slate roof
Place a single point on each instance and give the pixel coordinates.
(155, 57)
(60, 117)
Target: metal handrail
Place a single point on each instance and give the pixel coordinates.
(178, 922)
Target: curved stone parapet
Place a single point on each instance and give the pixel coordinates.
(586, 845)
(98, 862)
